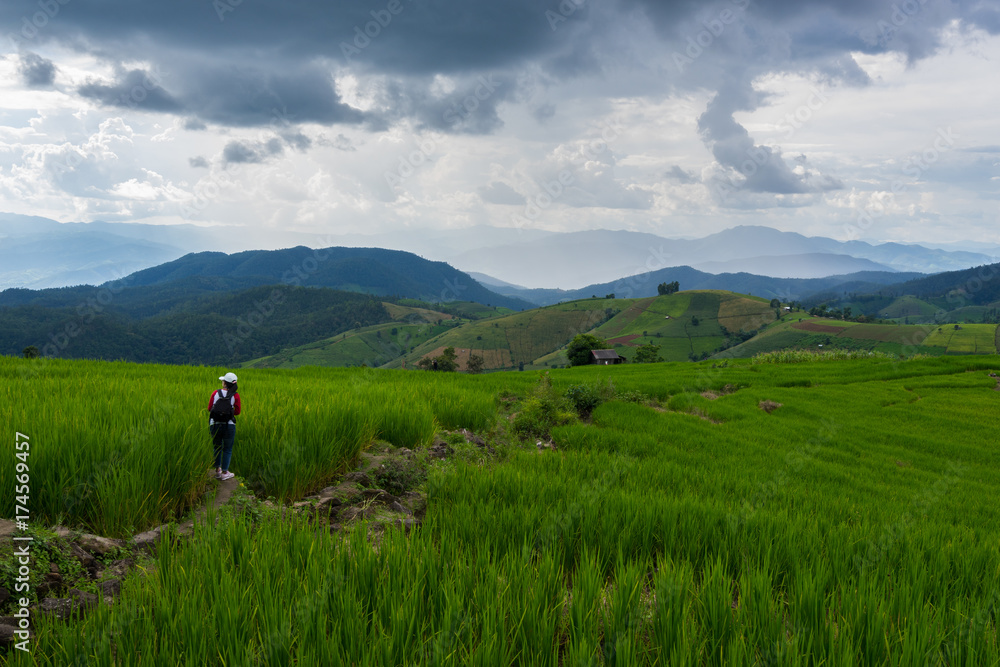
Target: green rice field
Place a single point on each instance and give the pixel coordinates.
(797, 510)
(927, 339)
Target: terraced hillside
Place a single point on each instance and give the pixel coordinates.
(685, 325)
(371, 345)
(521, 338)
(819, 332)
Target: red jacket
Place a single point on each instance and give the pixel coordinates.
(218, 393)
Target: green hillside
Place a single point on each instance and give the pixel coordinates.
(818, 333)
(685, 325)
(908, 306)
(225, 327)
(369, 346)
(506, 342)
(689, 325)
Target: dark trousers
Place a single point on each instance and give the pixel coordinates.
(223, 436)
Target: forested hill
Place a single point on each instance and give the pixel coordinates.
(217, 328)
(978, 286)
(370, 270)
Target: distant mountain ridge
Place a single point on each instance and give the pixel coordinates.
(369, 270)
(372, 271)
(644, 285)
(38, 253)
(600, 256)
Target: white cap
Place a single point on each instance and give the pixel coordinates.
(229, 377)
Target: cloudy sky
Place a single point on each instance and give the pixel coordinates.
(870, 119)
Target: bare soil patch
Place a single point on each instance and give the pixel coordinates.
(769, 406)
(623, 340)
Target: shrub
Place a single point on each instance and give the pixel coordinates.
(586, 397)
(538, 416)
(542, 410)
(397, 476)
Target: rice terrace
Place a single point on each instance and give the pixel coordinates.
(791, 508)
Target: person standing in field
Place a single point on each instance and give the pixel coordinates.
(223, 407)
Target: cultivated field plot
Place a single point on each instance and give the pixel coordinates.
(741, 313)
(491, 358)
(852, 522)
(822, 326)
(969, 339)
(411, 314)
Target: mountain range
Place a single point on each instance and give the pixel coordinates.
(646, 284)
(38, 253)
(584, 258)
(214, 307)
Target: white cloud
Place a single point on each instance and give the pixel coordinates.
(65, 156)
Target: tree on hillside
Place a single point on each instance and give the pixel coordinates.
(443, 362)
(30, 352)
(648, 354)
(475, 364)
(578, 351)
(667, 288)
(775, 303)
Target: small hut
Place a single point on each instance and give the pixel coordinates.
(605, 357)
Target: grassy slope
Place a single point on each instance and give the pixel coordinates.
(372, 346)
(853, 525)
(908, 306)
(892, 338)
(521, 337)
(678, 336)
(538, 337)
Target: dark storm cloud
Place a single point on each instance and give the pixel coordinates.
(238, 95)
(399, 36)
(470, 109)
(133, 89)
(37, 72)
(235, 96)
(246, 64)
(762, 168)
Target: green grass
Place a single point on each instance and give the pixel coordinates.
(124, 447)
(854, 524)
(370, 346)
